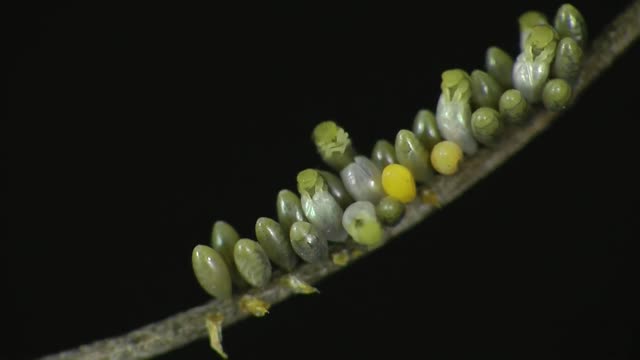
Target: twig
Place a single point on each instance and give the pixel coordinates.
(185, 327)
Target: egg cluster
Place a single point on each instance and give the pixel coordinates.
(367, 194)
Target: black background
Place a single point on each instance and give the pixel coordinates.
(132, 129)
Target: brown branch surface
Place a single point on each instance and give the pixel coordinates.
(183, 328)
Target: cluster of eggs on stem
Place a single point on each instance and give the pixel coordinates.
(367, 194)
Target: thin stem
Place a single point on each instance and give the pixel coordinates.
(181, 329)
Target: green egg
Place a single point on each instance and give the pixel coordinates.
(390, 211)
(275, 243)
(320, 208)
(307, 243)
(252, 262)
(557, 94)
(485, 90)
(513, 106)
(568, 60)
(211, 271)
(383, 154)
(486, 125)
(289, 209)
(336, 188)
(570, 23)
(411, 154)
(499, 65)
(362, 180)
(426, 130)
(223, 239)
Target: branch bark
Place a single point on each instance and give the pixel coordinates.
(181, 329)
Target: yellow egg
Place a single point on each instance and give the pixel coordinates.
(445, 157)
(398, 182)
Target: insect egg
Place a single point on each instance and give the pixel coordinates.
(412, 155)
(252, 262)
(445, 157)
(557, 94)
(275, 243)
(398, 183)
(390, 210)
(513, 106)
(499, 64)
(485, 90)
(426, 130)
(383, 154)
(361, 178)
(486, 125)
(223, 239)
(211, 272)
(307, 243)
(336, 188)
(289, 209)
(361, 223)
